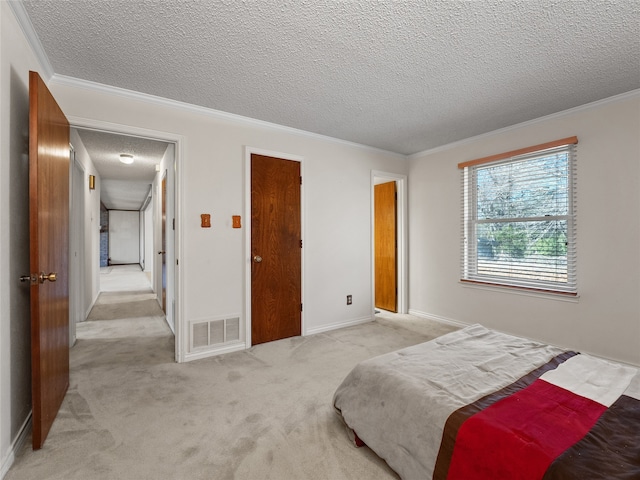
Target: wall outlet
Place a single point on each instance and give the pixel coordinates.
(349, 299)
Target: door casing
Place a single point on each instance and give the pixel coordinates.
(247, 243)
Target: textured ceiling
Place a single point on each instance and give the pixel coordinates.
(123, 187)
(403, 76)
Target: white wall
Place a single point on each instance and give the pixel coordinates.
(606, 318)
(149, 251)
(124, 236)
(91, 224)
(16, 59)
(337, 246)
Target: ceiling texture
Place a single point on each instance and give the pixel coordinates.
(403, 76)
(123, 187)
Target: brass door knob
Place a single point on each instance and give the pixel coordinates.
(257, 259)
(52, 277)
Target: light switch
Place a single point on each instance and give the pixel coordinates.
(205, 220)
(236, 221)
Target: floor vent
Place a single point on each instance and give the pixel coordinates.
(214, 332)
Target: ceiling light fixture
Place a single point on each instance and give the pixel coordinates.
(126, 158)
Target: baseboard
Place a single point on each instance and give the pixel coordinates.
(95, 299)
(188, 357)
(438, 318)
(16, 446)
(337, 325)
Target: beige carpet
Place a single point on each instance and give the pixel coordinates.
(115, 305)
(265, 413)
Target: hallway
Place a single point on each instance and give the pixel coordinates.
(126, 307)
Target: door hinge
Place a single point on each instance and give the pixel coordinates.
(300, 307)
(300, 179)
(176, 261)
(300, 243)
(174, 224)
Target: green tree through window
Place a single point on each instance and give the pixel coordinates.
(518, 221)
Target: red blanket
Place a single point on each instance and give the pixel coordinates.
(535, 429)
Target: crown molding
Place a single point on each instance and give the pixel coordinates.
(96, 87)
(587, 106)
(30, 34)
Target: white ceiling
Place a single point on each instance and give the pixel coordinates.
(403, 76)
(123, 187)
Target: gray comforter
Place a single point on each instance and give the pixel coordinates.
(398, 403)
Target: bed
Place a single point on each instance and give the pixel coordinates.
(479, 404)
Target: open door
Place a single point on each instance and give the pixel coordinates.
(49, 250)
(386, 246)
(163, 252)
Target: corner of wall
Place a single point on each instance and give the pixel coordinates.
(15, 447)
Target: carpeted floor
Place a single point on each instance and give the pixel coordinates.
(264, 413)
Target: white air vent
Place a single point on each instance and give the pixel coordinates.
(216, 332)
(207, 333)
(233, 329)
(200, 335)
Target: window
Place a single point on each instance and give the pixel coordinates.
(519, 218)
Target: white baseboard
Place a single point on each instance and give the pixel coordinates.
(335, 326)
(438, 318)
(16, 446)
(95, 299)
(188, 357)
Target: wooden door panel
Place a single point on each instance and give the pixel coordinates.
(49, 247)
(275, 238)
(385, 224)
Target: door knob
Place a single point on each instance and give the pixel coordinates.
(52, 277)
(257, 259)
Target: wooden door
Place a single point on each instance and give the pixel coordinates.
(163, 252)
(385, 224)
(49, 248)
(276, 254)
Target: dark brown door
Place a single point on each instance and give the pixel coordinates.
(385, 246)
(49, 247)
(275, 249)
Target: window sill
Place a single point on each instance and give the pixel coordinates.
(549, 295)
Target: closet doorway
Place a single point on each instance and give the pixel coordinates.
(389, 241)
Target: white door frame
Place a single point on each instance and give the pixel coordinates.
(181, 331)
(402, 237)
(247, 234)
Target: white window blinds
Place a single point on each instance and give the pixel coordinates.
(519, 218)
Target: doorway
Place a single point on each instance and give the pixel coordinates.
(150, 218)
(399, 184)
